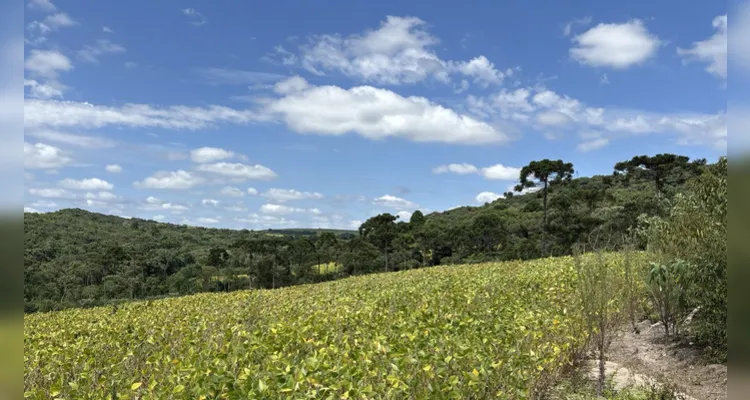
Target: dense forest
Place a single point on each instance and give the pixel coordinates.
(75, 258)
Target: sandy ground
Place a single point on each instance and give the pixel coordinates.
(648, 356)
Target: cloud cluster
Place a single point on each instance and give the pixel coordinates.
(493, 172)
(399, 51)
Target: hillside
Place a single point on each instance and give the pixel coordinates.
(78, 258)
(447, 332)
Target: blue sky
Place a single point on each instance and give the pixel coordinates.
(322, 114)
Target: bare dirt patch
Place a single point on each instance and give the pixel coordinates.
(682, 364)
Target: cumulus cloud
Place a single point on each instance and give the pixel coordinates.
(52, 193)
(394, 202)
(592, 144)
(461, 169)
(284, 195)
(501, 172)
(47, 63)
(42, 5)
(152, 204)
(51, 23)
(711, 51)
(524, 106)
(266, 221)
(179, 179)
(487, 197)
(614, 45)
(494, 172)
(210, 154)
(44, 156)
(252, 191)
(113, 168)
(101, 196)
(377, 114)
(280, 209)
(399, 51)
(238, 171)
(210, 202)
(86, 184)
(231, 191)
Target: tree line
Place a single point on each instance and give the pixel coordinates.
(74, 258)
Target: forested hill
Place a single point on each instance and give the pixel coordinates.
(78, 258)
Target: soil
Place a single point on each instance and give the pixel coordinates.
(647, 356)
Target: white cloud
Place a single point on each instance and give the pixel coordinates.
(487, 197)
(495, 172)
(238, 171)
(252, 191)
(51, 23)
(91, 53)
(47, 90)
(481, 69)
(194, 17)
(501, 172)
(179, 179)
(400, 51)
(592, 144)
(617, 46)
(153, 200)
(210, 154)
(175, 208)
(461, 169)
(404, 216)
(107, 29)
(210, 221)
(394, 202)
(47, 63)
(152, 203)
(291, 85)
(44, 204)
(50, 113)
(528, 104)
(238, 207)
(44, 156)
(91, 142)
(377, 114)
(284, 195)
(103, 196)
(86, 184)
(42, 5)
(230, 191)
(712, 51)
(30, 210)
(210, 202)
(158, 217)
(552, 118)
(52, 193)
(267, 221)
(280, 209)
(113, 168)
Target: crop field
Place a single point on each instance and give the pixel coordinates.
(475, 331)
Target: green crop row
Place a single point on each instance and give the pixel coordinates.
(474, 331)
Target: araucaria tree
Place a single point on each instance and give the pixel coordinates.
(545, 173)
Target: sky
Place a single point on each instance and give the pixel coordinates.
(256, 115)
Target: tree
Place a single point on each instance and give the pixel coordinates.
(662, 169)
(546, 173)
(380, 230)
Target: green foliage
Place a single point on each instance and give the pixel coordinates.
(491, 330)
(696, 231)
(668, 284)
